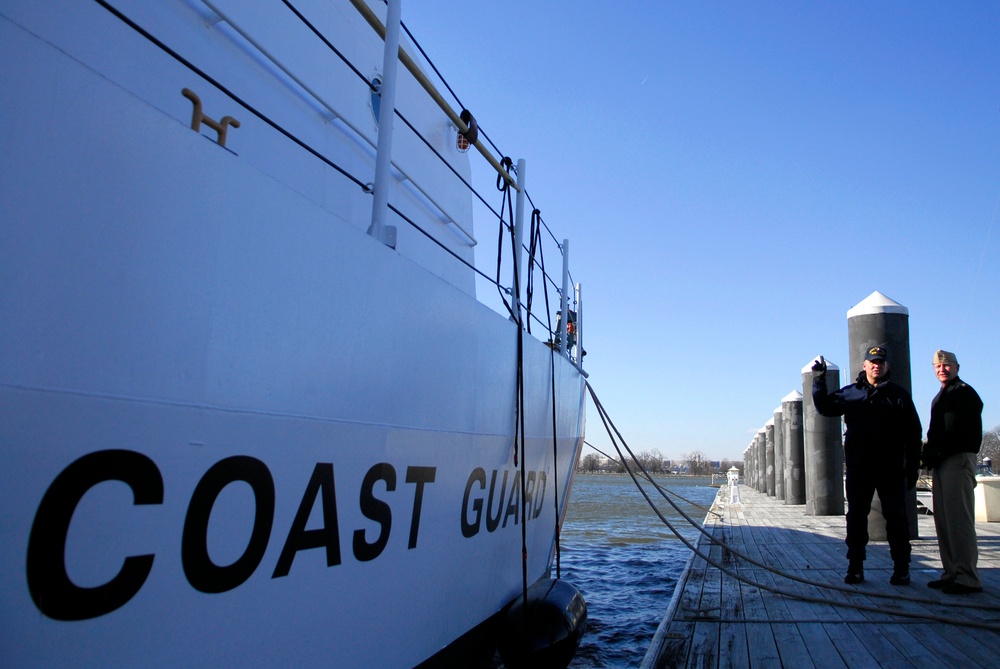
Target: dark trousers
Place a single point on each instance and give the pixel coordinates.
(862, 482)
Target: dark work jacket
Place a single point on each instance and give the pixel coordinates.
(956, 420)
(883, 428)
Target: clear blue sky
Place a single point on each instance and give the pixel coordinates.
(735, 176)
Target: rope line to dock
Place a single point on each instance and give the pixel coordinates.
(609, 426)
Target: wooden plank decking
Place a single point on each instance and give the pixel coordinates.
(719, 620)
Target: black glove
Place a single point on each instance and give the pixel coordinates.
(930, 457)
(819, 366)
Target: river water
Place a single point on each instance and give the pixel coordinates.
(625, 561)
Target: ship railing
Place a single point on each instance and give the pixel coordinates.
(515, 288)
(568, 331)
(328, 106)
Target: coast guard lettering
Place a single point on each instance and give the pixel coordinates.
(491, 502)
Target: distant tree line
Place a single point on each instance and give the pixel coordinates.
(990, 447)
(697, 463)
(652, 461)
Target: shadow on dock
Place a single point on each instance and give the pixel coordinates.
(735, 613)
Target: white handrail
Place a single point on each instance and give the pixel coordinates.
(469, 239)
(422, 79)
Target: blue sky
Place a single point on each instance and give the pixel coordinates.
(735, 176)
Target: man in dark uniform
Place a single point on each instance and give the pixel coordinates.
(882, 453)
(953, 440)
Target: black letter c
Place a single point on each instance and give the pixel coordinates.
(54, 593)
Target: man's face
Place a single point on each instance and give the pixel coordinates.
(875, 369)
(946, 371)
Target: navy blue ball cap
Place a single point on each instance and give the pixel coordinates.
(875, 353)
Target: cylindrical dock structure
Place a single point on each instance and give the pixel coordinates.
(824, 450)
(779, 456)
(746, 466)
(880, 321)
(791, 436)
(761, 446)
(769, 454)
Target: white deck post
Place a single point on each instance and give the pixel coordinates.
(564, 306)
(579, 325)
(387, 113)
(519, 237)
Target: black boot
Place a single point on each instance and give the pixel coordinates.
(855, 572)
(900, 575)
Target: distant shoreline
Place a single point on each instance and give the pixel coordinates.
(580, 472)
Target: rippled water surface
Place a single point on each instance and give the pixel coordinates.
(625, 561)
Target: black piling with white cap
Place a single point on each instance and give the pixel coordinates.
(761, 447)
(880, 321)
(824, 451)
(748, 468)
(779, 456)
(791, 436)
(769, 455)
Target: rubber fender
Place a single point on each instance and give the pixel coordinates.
(546, 633)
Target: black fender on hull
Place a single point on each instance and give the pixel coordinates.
(547, 632)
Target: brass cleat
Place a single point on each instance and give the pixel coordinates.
(198, 117)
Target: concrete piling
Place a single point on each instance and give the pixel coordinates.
(769, 455)
(761, 446)
(746, 467)
(779, 456)
(791, 428)
(823, 448)
(879, 321)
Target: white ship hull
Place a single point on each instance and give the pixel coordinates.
(235, 429)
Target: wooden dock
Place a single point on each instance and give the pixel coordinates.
(720, 619)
